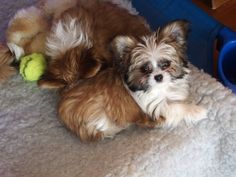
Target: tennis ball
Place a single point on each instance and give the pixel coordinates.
(32, 66)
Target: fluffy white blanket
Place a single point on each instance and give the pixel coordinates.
(33, 143)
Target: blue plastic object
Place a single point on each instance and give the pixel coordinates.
(204, 28)
(227, 58)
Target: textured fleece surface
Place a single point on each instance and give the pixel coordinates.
(33, 143)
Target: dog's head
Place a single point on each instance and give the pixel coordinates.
(158, 58)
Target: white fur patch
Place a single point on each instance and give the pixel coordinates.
(103, 124)
(16, 50)
(168, 99)
(161, 92)
(66, 35)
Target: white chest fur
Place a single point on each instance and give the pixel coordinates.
(168, 100)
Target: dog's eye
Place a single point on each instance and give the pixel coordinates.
(146, 68)
(164, 65)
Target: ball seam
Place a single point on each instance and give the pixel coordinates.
(26, 64)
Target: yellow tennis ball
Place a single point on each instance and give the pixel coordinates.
(32, 66)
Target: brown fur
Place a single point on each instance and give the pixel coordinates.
(29, 31)
(93, 90)
(68, 68)
(135, 55)
(84, 105)
(6, 58)
(73, 64)
(106, 22)
(102, 94)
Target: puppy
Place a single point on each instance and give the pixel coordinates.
(155, 72)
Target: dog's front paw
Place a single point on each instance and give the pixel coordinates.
(176, 112)
(147, 122)
(195, 114)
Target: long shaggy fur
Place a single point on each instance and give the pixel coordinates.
(100, 107)
(68, 45)
(6, 59)
(66, 34)
(93, 25)
(26, 34)
(27, 30)
(89, 109)
(155, 71)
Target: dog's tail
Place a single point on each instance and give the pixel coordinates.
(6, 59)
(68, 48)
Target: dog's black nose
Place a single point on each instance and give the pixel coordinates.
(158, 77)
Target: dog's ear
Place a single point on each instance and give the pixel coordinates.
(121, 45)
(121, 48)
(176, 30)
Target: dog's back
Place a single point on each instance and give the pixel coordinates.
(101, 23)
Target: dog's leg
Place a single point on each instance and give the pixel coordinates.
(6, 59)
(147, 122)
(176, 112)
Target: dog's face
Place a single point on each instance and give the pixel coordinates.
(153, 60)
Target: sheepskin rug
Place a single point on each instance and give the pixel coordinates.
(33, 143)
